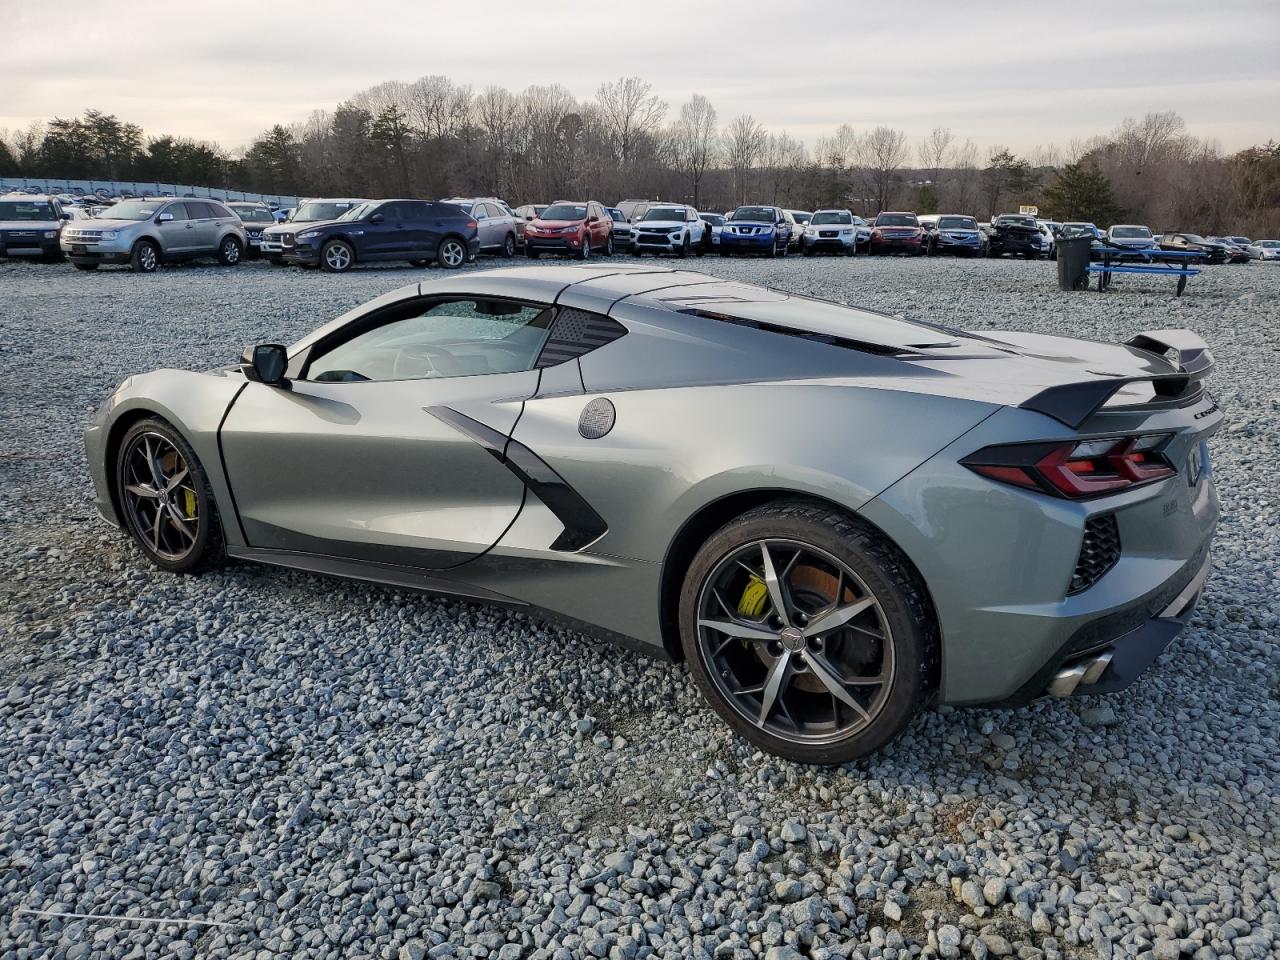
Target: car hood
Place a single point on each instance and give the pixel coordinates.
(751, 223)
(661, 224)
(31, 224)
(97, 223)
(556, 224)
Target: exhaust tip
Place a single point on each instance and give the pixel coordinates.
(1082, 673)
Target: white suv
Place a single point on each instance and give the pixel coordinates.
(669, 228)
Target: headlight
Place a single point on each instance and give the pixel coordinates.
(675, 233)
(811, 231)
(846, 231)
(109, 234)
(309, 235)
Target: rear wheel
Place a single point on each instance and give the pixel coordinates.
(337, 256)
(509, 246)
(452, 254)
(144, 258)
(229, 251)
(807, 631)
(165, 499)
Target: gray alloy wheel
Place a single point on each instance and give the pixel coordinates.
(608, 246)
(795, 641)
(584, 252)
(337, 256)
(145, 257)
(807, 632)
(164, 498)
(509, 246)
(229, 252)
(452, 254)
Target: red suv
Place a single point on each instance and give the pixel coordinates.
(568, 226)
(897, 233)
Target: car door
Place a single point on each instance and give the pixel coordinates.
(177, 234)
(387, 447)
(204, 228)
(389, 237)
(484, 224)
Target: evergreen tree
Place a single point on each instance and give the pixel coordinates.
(1081, 191)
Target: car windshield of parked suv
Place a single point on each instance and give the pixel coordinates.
(27, 210)
(1191, 237)
(897, 220)
(957, 223)
(835, 216)
(1016, 220)
(132, 210)
(753, 213)
(712, 218)
(1269, 244)
(615, 214)
(314, 212)
(802, 217)
(254, 215)
(358, 211)
(1131, 233)
(663, 213)
(564, 211)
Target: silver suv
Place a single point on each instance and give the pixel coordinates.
(147, 233)
(496, 223)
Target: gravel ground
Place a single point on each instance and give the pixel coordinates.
(304, 767)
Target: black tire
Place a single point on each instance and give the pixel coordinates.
(529, 252)
(207, 548)
(683, 251)
(509, 246)
(337, 256)
(145, 257)
(887, 575)
(584, 251)
(452, 253)
(86, 266)
(230, 252)
(608, 246)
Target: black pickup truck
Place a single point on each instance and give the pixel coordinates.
(1016, 234)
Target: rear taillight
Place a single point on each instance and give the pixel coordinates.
(1078, 469)
(472, 225)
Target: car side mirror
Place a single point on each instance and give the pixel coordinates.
(377, 218)
(164, 218)
(593, 219)
(64, 215)
(266, 363)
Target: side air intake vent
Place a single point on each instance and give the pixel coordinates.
(575, 332)
(1098, 552)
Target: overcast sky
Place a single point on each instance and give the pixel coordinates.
(1015, 73)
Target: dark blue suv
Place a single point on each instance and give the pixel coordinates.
(420, 231)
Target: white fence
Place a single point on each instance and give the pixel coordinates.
(139, 188)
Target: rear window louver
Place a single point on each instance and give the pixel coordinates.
(862, 346)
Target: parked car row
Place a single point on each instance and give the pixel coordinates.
(336, 234)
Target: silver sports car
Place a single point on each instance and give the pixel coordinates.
(834, 516)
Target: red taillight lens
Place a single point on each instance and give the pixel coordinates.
(471, 224)
(1078, 469)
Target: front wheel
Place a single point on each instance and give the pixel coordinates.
(165, 499)
(608, 246)
(509, 246)
(584, 252)
(144, 258)
(452, 254)
(807, 631)
(683, 251)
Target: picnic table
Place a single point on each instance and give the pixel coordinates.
(1149, 260)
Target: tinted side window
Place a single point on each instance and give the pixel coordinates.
(197, 210)
(218, 210)
(427, 339)
(417, 212)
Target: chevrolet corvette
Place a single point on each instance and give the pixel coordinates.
(837, 518)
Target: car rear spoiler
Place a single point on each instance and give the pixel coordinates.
(1074, 403)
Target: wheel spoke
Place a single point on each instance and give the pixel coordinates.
(837, 616)
(142, 490)
(834, 684)
(157, 475)
(777, 591)
(176, 480)
(774, 683)
(740, 630)
(155, 530)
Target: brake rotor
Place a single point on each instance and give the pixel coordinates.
(814, 587)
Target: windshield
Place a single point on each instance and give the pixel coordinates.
(1192, 237)
(27, 210)
(801, 216)
(712, 218)
(254, 215)
(897, 220)
(314, 211)
(1269, 244)
(663, 213)
(1017, 221)
(835, 216)
(753, 213)
(616, 214)
(957, 223)
(358, 211)
(1131, 233)
(564, 211)
(132, 210)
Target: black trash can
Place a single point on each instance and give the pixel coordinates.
(1073, 262)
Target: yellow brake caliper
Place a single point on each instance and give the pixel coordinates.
(189, 504)
(751, 603)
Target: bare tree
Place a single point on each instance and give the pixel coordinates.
(744, 139)
(695, 142)
(962, 180)
(934, 152)
(629, 112)
(881, 153)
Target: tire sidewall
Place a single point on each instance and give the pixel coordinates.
(223, 249)
(136, 257)
(324, 260)
(910, 639)
(208, 545)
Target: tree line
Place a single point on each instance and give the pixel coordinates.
(435, 138)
